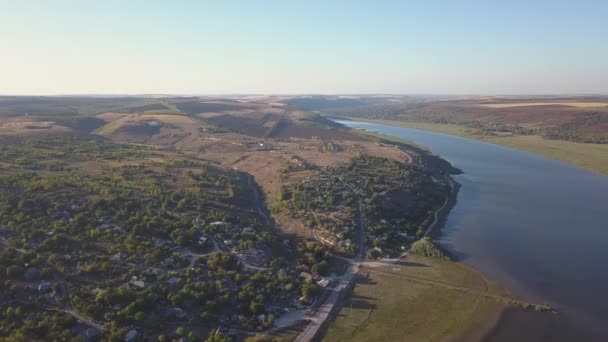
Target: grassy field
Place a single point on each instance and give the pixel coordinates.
(592, 157)
(414, 301)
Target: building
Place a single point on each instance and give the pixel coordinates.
(306, 276)
(44, 287)
(324, 282)
(172, 281)
(131, 335)
(137, 284)
(92, 333)
(120, 256)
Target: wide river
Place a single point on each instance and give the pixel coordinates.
(536, 226)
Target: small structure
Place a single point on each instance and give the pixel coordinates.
(31, 273)
(172, 281)
(137, 284)
(44, 287)
(131, 335)
(120, 256)
(176, 312)
(306, 276)
(324, 282)
(92, 333)
(202, 240)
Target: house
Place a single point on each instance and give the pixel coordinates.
(96, 291)
(31, 273)
(106, 226)
(306, 276)
(324, 282)
(120, 256)
(202, 240)
(333, 147)
(92, 333)
(172, 281)
(136, 283)
(176, 312)
(139, 284)
(131, 335)
(304, 300)
(44, 287)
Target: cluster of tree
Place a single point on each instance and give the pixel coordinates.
(19, 323)
(395, 199)
(426, 247)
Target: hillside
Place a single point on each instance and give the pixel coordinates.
(578, 119)
(180, 216)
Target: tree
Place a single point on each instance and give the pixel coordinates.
(255, 307)
(321, 267)
(139, 316)
(310, 290)
(14, 271)
(373, 254)
(216, 336)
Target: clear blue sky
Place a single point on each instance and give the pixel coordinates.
(197, 47)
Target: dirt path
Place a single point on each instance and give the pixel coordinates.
(438, 211)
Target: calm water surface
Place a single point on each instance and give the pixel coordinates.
(536, 226)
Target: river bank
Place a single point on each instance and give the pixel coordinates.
(422, 299)
(531, 224)
(591, 157)
(418, 299)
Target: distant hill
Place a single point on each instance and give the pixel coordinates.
(579, 119)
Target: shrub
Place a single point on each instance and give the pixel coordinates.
(426, 247)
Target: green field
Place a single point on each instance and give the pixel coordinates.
(592, 157)
(415, 301)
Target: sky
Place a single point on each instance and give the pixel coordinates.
(305, 47)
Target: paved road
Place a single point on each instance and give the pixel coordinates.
(321, 314)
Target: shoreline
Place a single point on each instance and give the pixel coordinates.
(499, 324)
(488, 324)
(484, 320)
(592, 158)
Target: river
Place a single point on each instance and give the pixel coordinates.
(536, 226)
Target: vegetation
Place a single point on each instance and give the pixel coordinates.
(409, 302)
(551, 121)
(593, 157)
(426, 247)
(128, 236)
(396, 200)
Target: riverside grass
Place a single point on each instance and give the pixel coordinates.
(591, 157)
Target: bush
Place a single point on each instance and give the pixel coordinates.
(14, 271)
(426, 247)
